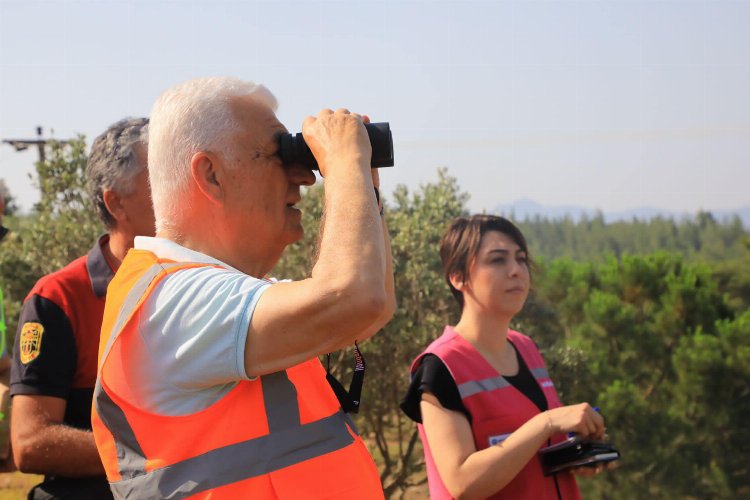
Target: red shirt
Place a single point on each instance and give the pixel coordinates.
(57, 341)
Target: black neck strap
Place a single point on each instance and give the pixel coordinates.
(349, 400)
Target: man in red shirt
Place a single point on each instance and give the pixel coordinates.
(56, 346)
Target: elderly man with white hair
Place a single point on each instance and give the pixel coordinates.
(209, 383)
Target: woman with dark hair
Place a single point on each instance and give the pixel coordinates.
(481, 393)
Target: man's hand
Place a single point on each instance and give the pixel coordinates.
(337, 138)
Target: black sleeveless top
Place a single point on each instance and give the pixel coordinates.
(433, 376)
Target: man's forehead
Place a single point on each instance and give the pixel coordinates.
(246, 107)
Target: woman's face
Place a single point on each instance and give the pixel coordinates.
(499, 280)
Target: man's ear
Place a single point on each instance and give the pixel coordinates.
(113, 202)
(207, 174)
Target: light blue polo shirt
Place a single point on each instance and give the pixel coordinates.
(193, 329)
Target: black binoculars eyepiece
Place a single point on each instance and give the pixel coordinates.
(293, 149)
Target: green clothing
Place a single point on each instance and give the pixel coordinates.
(3, 327)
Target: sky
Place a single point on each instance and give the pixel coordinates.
(605, 104)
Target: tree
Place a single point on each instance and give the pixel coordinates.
(62, 226)
(425, 305)
(659, 341)
(713, 393)
(416, 223)
(652, 342)
(593, 239)
(10, 201)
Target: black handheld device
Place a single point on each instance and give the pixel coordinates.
(576, 452)
(294, 149)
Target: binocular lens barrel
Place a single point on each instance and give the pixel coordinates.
(293, 149)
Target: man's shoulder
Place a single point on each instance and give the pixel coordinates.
(70, 281)
(207, 281)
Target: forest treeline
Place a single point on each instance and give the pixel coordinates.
(648, 321)
(701, 237)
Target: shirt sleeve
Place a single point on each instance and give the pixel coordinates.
(44, 359)
(195, 326)
(432, 376)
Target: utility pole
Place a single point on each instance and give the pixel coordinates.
(23, 144)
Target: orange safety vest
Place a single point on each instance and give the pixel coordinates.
(282, 435)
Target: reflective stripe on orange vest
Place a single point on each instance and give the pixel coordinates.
(322, 435)
(221, 466)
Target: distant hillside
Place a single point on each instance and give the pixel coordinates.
(524, 209)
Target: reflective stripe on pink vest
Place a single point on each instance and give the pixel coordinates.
(497, 410)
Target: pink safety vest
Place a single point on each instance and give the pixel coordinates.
(497, 410)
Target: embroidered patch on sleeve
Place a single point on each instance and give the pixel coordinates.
(31, 341)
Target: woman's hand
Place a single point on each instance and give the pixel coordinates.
(589, 471)
(580, 418)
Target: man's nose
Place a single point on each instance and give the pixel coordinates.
(301, 175)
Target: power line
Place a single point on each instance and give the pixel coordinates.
(39, 142)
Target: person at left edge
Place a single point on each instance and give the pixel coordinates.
(57, 343)
(6, 461)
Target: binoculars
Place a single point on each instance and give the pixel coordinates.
(293, 149)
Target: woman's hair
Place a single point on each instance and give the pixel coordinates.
(460, 245)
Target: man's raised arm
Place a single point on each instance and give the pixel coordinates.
(347, 297)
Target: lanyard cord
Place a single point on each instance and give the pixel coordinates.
(554, 477)
(349, 400)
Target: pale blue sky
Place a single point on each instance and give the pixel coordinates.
(606, 104)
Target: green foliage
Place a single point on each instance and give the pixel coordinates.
(66, 224)
(659, 340)
(653, 343)
(10, 201)
(416, 222)
(712, 389)
(425, 306)
(62, 227)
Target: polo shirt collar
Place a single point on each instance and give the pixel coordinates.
(168, 249)
(100, 274)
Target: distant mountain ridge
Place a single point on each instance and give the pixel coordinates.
(528, 209)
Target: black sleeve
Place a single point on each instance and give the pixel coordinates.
(44, 357)
(432, 376)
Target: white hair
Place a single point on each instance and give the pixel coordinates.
(190, 117)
